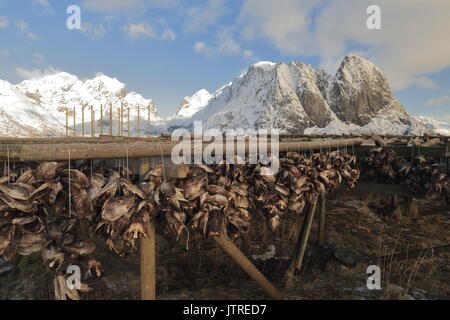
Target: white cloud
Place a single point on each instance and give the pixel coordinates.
(44, 4)
(35, 73)
(139, 31)
(413, 41)
(199, 18)
(248, 54)
(38, 58)
(168, 35)
(113, 5)
(225, 44)
(426, 83)
(121, 5)
(23, 29)
(202, 47)
(93, 31)
(438, 102)
(3, 22)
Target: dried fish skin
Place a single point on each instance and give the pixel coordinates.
(115, 208)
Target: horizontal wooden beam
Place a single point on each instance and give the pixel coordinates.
(70, 140)
(116, 150)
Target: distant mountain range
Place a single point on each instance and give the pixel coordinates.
(38, 107)
(293, 97)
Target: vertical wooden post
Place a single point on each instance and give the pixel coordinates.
(148, 251)
(74, 122)
(323, 200)
(139, 122)
(67, 122)
(128, 117)
(82, 121)
(148, 134)
(119, 130)
(101, 119)
(305, 234)
(92, 122)
(121, 119)
(110, 119)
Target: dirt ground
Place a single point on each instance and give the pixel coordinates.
(360, 231)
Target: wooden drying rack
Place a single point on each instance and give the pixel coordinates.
(142, 151)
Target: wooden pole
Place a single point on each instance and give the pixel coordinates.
(110, 119)
(67, 122)
(248, 267)
(148, 251)
(323, 200)
(128, 117)
(92, 122)
(148, 134)
(139, 122)
(119, 130)
(101, 119)
(82, 121)
(74, 123)
(305, 235)
(101, 150)
(121, 119)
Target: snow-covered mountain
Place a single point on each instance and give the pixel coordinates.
(54, 94)
(21, 116)
(296, 98)
(438, 127)
(191, 105)
(293, 97)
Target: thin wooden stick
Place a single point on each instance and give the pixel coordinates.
(305, 235)
(248, 267)
(110, 119)
(101, 119)
(92, 122)
(323, 200)
(74, 123)
(148, 134)
(128, 110)
(121, 119)
(119, 129)
(82, 121)
(67, 122)
(139, 122)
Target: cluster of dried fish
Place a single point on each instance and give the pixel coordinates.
(439, 187)
(219, 199)
(420, 176)
(35, 216)
(54, 210)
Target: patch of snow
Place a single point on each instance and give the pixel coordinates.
(192, 105)
(438, 127)
(265, 65)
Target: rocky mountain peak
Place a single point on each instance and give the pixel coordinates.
(296, 97)
(360, 92)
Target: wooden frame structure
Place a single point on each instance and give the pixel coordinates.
(143, 149)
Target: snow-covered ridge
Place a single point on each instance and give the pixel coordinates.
(432, 125)
(62, 91)
(191, 105)
(21, 116)
(295, 98)
(292, 97)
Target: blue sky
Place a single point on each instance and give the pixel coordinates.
(168, 49)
